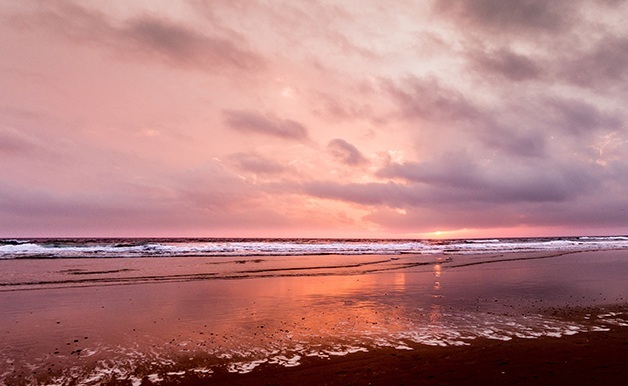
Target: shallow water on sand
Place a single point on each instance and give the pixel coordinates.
(87, 321)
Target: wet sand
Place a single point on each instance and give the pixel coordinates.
(512, 319)
(596, 358)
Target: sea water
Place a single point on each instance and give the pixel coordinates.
(147, 247)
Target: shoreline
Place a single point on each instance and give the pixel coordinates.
(581, 359)
(585, 358)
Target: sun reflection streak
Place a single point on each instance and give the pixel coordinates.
(436, 313)
(437, 273)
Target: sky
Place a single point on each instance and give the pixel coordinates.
(317, 118)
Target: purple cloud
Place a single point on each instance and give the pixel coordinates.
(12, 143)
(578, 117)
(426, 98)
(504, 15)
(253, 122)
(346, 152)
(606, 64)
(257, 164)
(495, 113)
(454, 193)
(181, 45)
(506, 63)
(144, 37)
(459, 179)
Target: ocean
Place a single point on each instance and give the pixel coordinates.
(217, 247)
(91, 311)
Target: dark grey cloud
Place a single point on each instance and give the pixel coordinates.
(460, 177)
(181, 45)
(253, 122)
(346, 152)
(527, 159)
(144, 37)
(592, 214)
(506, 63)
(450, 170)
(257, 164)
(453, 194)
(522, 123)
(563, 44)
(579, 117)
(515, 140)
(511, 15)
(525, 127)
(603, 65)
(426, 98)
(511, 126)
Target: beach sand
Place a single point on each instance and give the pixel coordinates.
(510, 319)
(596, 358)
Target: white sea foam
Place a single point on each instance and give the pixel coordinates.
(244, 367)
(154, 378)
(282, 360)
(79, 248)
(203, 371)
(613, 318)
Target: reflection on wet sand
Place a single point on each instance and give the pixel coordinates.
(436, 309)
(85, 335)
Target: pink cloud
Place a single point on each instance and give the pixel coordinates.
(346, 152)
(209, 118)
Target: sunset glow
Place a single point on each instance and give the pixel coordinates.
(431, 119)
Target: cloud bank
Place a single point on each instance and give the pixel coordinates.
(310, 119)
